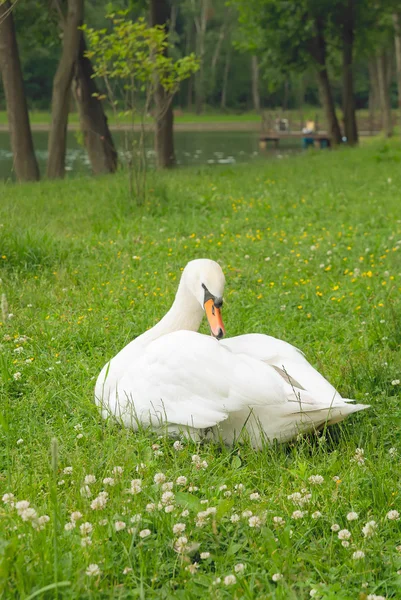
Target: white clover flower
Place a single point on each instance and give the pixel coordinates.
(85, 491)
(358, 554)
(278, 521)
(86, 528)
(255, 522)
(205, 555)
(18, 350)
(167, 498)
(181, 544)
(276, 577)
(119, 525)
(109, 481)
(117, 471)
(313, 592)
(336, 479)
(217, 581)
(136, 518)
(20, 441)
(127, 570)
(17, 376)
(76, 515)
(246, 514)
(230, 580)
(159, 478)
(185, 513)
(227, 494)
(150, 507)
(136, 486)
(335, 527)
(93, 570)
(22, 505)
(254, 496)
(344, 534)
(8, 499)
(234, 518)
(43, 520)
(86, 541)
(297, 514)
(316, 515)
(69, 526)
(144, 533)
(80, 436)
(28, 514)
(181, 480)
(178, 528)
(369, 529)
(192, 568)
(178, 446)
(352, 516)
(78, 427)
(392, 452)
(61, 482)
(239, 487)
(99, 503)
(393, 515)
(168, 486)
(67, 470)
(89, 479)
(345, 543)
(169, 508)
(375, 596)
(239, 568)
(395, 382)
(316, 479)
(359, 457)
(193, 488)
(211, 510)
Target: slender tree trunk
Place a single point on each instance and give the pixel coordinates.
(200, 26)
(225, 78)
(255, 83)
(25, 164)
(374, 94)
(318, 52)
(215, 60)
(384, 94)
(397, 36)
(93, 121)
(164, 138)
(62, 90)
(350, 126)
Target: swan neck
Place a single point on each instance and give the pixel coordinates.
(184, 314)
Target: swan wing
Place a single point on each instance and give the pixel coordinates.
(190, 379)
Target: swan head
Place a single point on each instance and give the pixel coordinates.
(204, 279)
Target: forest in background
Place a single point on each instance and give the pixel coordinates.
(233, 55)
(235, 75)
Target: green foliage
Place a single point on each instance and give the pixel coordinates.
(135, 56)
(310, 247)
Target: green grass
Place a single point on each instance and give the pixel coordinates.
(310, 246)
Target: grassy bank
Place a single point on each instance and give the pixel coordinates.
(311, 251)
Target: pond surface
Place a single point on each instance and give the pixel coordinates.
(192, 148)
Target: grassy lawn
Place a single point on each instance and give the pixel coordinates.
(311, 248)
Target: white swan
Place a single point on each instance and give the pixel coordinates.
(171, 376)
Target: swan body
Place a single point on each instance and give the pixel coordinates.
(251, 385)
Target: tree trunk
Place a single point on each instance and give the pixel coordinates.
(200, 26)
(397, 36)
(97, 137)
(62, 90)
(225, 78)
(350, 126)
(25, 164)
(255, 83)
(164, 138)
(374, 94)
(384, 88)
(318, 52)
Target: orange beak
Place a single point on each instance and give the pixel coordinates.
(214, 317)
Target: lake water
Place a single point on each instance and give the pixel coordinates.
(192, 148)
